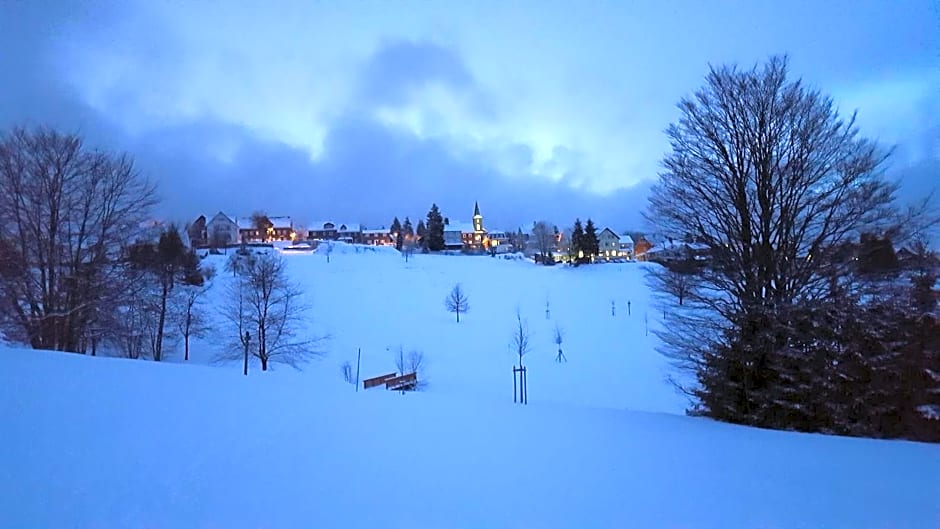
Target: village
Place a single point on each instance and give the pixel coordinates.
(459, 238)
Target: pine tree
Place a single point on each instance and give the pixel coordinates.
(397, 234)
(577, 240)
(422, 232)
(407, 228)
(435, 229)
(591, 245)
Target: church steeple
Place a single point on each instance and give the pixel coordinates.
(477, 218)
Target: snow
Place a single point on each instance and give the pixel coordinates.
(97, 442)
(101, 442)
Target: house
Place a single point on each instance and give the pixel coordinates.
(280, 229)
(222, 231)
(608, 244)
(454, 233)
(640, 248)
(380, 237)
(626, 246)
(198, 236)
(498, 241)
(336, 231)
(671, 251)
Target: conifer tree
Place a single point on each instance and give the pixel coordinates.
(577, 240)
(435, 229)
(397, 234)
(591, 245)
(421, 233)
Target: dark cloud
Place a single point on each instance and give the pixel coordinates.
(398, 68)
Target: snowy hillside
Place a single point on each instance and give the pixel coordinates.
(371, 299)
(95, 442)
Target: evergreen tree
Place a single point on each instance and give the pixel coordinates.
(397, 234)
(591, 245)
(435, 229)
(577, 240)
(407, 228)
(422, 232)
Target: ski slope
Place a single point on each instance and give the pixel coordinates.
(99, 442)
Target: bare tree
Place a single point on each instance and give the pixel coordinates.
(559, 338)
(66, 214)
(413, 362)
(520, 337)
(191, 318)
(544, 235)
(456, 301)
(766, 174)
(266, 303)
(261, 223)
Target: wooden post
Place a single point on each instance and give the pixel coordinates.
(514, 391)
(525, 387)
(247, 340)
(358, 358)
(628, 308)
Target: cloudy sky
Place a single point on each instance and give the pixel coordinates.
(363, 110)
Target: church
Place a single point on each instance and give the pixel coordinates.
(467, 237)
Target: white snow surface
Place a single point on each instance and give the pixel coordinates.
(103, 442)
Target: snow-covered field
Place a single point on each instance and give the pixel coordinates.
(99, 442)
(371, 299)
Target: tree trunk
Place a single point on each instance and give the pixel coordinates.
(264, 363)
(158, 348)
(186, 348)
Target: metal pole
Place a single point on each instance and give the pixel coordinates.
(247, 340)
(358, 358)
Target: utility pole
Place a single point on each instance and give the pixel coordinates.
(247, 340)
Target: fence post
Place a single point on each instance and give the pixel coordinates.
(358, 358)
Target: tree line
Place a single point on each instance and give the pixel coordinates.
(803, 317)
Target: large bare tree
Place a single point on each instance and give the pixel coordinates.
(264, 302)
(544, 236)
(766, 173)
(66, 214)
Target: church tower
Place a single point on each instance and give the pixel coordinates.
(477, 218)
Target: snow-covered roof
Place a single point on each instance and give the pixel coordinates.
(376, 232)
(321, 225)
(626, 239)
(610, 231)
(462, 227)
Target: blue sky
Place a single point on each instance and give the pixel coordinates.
(363, 110)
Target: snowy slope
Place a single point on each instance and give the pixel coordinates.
(96, 442)
(371, 299)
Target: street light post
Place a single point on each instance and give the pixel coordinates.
(247, 340)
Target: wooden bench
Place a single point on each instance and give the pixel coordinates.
(376, 381)
(403, 383)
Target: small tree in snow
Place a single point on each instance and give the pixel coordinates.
(559, 337)
(191, 319)
(456, 301)
(520, 338)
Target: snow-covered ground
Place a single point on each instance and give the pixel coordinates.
(371, 299)
(100, 442)
(97, 442)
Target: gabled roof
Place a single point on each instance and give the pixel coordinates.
(608, 230)
(626, 239)
(221, 217)
(345, 227)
